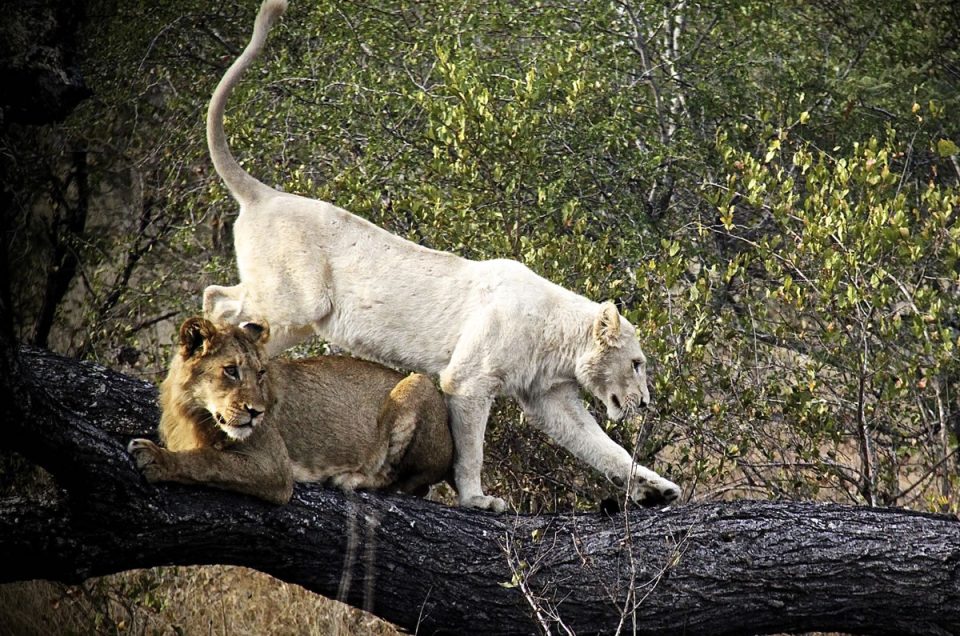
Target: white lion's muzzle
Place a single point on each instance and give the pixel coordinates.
(619, 409)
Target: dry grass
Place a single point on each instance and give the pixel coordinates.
(213, 600)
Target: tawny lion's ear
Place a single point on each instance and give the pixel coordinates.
(195, 335)
(258, 331)
(606, 327)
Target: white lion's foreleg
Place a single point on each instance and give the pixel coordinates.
(468, 422)
(562, 416)
(469, 391)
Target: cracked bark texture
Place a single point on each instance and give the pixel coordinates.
(743, 567)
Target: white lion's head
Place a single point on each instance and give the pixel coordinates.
(614, 368)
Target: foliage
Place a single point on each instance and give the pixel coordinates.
(767, 189)
(826, 321)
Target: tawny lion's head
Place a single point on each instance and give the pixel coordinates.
(614, 368)
(221, 369)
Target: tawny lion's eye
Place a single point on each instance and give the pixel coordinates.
(261, 373)
(231, 372)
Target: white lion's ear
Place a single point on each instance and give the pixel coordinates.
(258, 331)
(606, 327)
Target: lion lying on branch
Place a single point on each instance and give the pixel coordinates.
(235, 420)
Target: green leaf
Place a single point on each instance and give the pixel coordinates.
(947, 148)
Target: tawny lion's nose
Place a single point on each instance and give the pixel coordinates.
(253, 411)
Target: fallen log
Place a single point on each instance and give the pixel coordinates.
(746, 567)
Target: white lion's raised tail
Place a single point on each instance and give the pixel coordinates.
(242, 185)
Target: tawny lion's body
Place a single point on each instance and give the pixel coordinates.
(234, 420)
(486, 328)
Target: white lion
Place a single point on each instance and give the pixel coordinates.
(486, 328)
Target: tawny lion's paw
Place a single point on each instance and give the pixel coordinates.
(143, 451)
(484, 502)
(654, 492)
(146, 455)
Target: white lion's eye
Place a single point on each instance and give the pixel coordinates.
(638, 367)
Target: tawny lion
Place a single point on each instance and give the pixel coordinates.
(234, 420)
(486, 328)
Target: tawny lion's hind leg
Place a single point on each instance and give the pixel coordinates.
(413, 453)
(416, 485)
(398, 417)
(421, 446)
(355, 480)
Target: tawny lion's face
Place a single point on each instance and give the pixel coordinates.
(615, 370)
(226, 374)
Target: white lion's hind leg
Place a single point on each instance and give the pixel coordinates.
(283, 336)
(223, 304)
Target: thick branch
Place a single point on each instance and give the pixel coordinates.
(733, 568)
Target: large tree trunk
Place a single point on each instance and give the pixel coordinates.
(730, 568)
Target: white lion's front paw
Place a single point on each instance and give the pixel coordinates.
(484, 502)
(653, 491)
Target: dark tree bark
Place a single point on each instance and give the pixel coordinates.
(730, 568)
(66, 231)
(38, 61)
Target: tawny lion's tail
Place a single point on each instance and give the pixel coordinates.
(242, 185)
